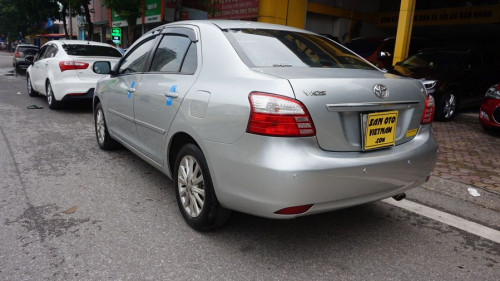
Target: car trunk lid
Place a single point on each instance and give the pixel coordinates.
(87, 73)
(340, 101)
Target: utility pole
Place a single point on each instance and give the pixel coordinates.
(70, 22)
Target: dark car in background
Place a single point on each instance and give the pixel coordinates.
(21, 52)
(380, 51)
(489, 114)
(456, 77)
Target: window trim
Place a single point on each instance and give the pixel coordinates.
(176, 31)
(148, 59)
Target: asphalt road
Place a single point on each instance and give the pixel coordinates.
(70, 211)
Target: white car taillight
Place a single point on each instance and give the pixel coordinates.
(72, 65)
(428, 114)
(273, 115)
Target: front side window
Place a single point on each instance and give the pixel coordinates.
(137, 58)
(278, 48)
(170, 54)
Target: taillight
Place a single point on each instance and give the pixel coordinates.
(273, 115)
(18, 55)
(72, 65)
(428, 114)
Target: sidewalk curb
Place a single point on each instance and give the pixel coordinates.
(488, 199)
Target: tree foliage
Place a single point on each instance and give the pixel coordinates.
(20, 17)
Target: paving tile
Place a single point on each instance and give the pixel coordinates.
(468, 154)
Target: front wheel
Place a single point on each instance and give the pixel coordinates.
(446, 107)
(104, 140)
(195, 192)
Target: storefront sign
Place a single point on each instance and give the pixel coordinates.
(152, 11)
(448, 16)
(234, 9)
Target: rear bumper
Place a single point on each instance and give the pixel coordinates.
(261, 175)
(72, 88)
(89, 95)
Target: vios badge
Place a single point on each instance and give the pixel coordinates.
(380, 91)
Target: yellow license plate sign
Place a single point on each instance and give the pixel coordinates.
(380, 129)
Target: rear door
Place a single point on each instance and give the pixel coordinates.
(172, 72)
(119, 101)
(38, 70)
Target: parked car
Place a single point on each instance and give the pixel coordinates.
(489, 113)
(264, 119)
(380, 51)
(456, 77)
(20, 53)
(62, 70)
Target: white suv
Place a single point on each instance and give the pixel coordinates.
(62, 70)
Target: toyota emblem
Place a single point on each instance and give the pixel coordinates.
(380, 91)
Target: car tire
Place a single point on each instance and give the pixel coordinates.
(446, 106)
(104, 139)
(31, 91)
(194, 190)
(51, 100)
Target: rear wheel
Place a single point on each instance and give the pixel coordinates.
(104, 140)
(31, 91)
(447, 106)
(51, 100)
(195, 192)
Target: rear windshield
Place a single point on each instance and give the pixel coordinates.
(91, 51)
(28, 50)
(277, 48)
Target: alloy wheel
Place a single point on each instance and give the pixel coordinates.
(191, 186)
(101, 126)
(450, 104)
(49, 94)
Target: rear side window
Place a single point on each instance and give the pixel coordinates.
(170, 54)
(277, 48)
(91, 51)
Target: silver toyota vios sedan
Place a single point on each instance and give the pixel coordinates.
(264, 119)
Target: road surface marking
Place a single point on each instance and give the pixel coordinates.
(457, 222)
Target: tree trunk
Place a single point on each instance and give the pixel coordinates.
(88, 19)
(63, 16)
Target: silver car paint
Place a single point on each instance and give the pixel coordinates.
(260, 175)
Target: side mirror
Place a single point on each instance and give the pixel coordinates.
(29, 59)
(384, 54)
(102, 67)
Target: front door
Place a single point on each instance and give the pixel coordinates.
(119, 101)
(173, 71)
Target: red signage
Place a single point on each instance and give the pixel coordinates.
(227, 9)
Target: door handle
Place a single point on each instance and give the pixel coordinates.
(171, 94)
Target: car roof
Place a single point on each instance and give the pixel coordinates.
(78, 42)
(27, 45)
(237, 24)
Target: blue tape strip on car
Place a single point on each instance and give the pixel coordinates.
(130, 93)
(168, 102)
